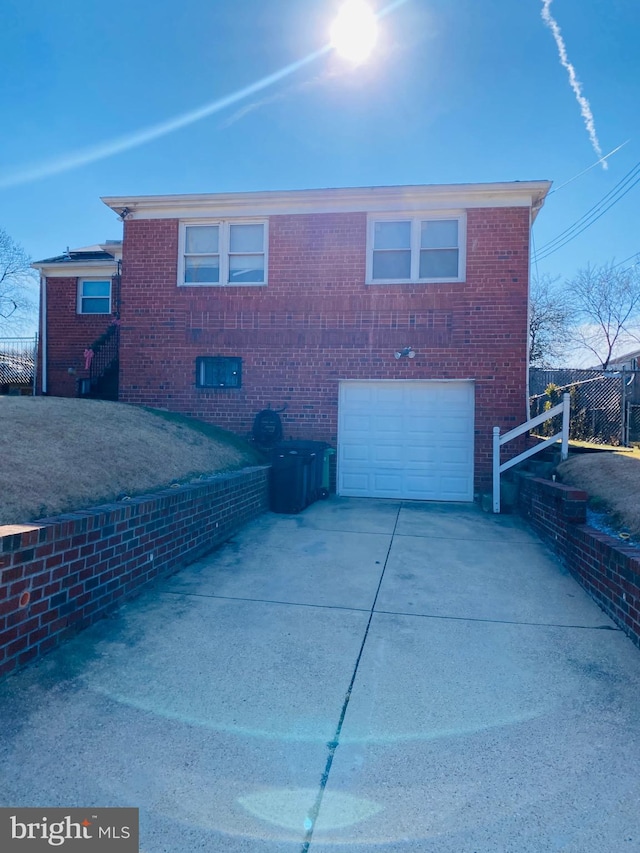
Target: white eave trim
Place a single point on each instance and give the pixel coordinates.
(360, 199)
(77, 269)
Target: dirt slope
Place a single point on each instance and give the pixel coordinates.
(612, 481)
(62, 454)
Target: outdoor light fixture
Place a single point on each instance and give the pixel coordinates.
(407, 352)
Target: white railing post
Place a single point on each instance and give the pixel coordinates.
(35, 365)
(496, 469)
(566, 409)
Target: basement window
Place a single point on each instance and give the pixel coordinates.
(218, 372)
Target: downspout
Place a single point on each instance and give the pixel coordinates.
(43, 331)
(527, 392)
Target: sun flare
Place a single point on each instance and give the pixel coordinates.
(355, 31)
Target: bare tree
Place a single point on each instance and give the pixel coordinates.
(17, 285)
(550, 316)
(607, 305)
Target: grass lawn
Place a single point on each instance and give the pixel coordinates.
(59, 454)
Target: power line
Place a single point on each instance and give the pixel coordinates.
(630, 176)
(588, 224)
(635, 255)
(590, 217)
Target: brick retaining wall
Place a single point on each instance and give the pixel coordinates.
(61, 574)
(607, 568)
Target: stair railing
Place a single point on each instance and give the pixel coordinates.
(100, 356)
(562, 408)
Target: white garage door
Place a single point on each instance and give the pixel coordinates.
(406, 439)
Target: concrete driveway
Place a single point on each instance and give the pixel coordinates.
(368, 675)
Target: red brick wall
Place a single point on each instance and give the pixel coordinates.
(608, 569)
(68, 334)
(77, 567)
(318, 322)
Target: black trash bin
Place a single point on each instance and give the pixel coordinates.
(291, 476)
(297, 475)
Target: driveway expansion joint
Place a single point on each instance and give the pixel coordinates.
(373, 611)
(498, 621)
(335, 743)
(276, 601)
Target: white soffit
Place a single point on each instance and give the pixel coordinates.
(351, 200)
(78, 269)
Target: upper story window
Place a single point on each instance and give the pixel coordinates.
(416, 249)
(223, 253)
(94, 296)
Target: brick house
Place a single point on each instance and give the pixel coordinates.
(390, 322)
(78, 304)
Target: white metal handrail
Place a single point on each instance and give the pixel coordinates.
(562, 408)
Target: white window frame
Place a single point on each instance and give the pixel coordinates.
(224, 246)
(80, 296)
(416, 219)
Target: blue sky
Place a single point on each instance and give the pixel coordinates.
(458, 91)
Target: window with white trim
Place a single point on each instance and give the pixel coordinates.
(222, 253)
(218, 372)
(416, 249)
(94, 296)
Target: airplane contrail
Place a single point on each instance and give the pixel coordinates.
(133, 140)
(583, 103)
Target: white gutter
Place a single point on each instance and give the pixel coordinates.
(332, 200)
(43, 331)
(527, 386)
(76, 269)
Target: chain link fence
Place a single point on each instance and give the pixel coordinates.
(605, 405)
(18, 358)
(633, 422)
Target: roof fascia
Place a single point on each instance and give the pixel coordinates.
(76, 269)
(361, 199)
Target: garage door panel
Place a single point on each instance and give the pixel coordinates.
(362, 393)
(417, 485)
(421, 423)
(389, 483)
(453, 426)
(455, 456)
(411, 439)
(357, 422)
(355, 452)
(359, 482)
(453, 487)
(384, 454)
(386, 394)
(415, 396)
(382, 424)
(420, 436)
(421, 454)
(422, 482)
